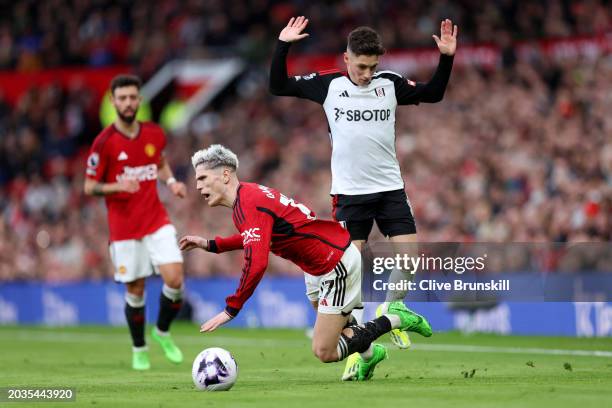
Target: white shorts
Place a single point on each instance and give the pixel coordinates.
(138, 258)
(338, 291)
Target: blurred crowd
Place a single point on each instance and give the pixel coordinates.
(145, 34)
(519, 154)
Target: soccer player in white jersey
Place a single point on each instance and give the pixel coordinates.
(360, 107)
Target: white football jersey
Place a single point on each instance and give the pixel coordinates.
(361, 124)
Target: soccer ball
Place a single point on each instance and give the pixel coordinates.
(214, 369)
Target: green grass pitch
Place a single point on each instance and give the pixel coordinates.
(277, 369)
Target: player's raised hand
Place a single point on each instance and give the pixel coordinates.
(293, 31)
(128, 185)
(178, 189)
(215, 322)
(189, 242)
(447, 42)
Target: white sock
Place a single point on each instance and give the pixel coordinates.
(397, 276)
(134, 301)
(395, 320)
(136, 349)
(366, 355)
(171, 293)
(161, 333)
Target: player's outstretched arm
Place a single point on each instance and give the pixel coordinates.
(280, 83)
(293, 31)
(212, 324)
(433, 91)
(189, 242)
(447, 42)
(93, 187)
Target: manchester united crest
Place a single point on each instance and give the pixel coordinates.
(150, 150)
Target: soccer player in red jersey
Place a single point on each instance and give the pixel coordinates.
(124, 164)
(269, 221)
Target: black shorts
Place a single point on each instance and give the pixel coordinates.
(390, 209)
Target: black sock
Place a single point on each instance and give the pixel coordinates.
(135, 317)
(363, 336)
(168, 310)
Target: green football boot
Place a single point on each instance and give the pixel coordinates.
(410, 321)
(365, 369)
(398, 337)
(140, 360)
(351, 368)
(172, 352)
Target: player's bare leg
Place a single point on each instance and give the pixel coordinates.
(399, 338)
(170, 302)
(326, 335)
(135, 316)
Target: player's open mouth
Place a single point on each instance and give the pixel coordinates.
(206, 196)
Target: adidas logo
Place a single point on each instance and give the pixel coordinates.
(122, 156)
(344, 94)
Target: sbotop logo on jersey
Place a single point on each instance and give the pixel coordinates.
(140, 173)
(250, 235)
(366, 115)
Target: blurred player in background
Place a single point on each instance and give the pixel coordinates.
(360, 106)
(124, 164)
(269, 221)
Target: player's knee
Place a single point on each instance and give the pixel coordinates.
(325, 354)
(175, 282)
(136, 288)
(172, 275)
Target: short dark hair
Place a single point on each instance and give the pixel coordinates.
(125, 80)
(365, 41)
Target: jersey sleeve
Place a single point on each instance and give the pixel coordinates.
(97, 161)
(412, 93)
(225, 244)
(313, 86)
(256, 231)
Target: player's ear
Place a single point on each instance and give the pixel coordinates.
(346, 57)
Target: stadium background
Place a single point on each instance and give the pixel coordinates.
(520, 149)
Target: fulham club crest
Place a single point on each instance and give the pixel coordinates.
(380, 92)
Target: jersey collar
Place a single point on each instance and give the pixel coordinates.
(126, 136)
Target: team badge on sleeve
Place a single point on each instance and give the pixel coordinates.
(93, 160)
(306, 77)
(92, 163)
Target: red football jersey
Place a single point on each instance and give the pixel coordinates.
(113, 156)
(269, 221)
